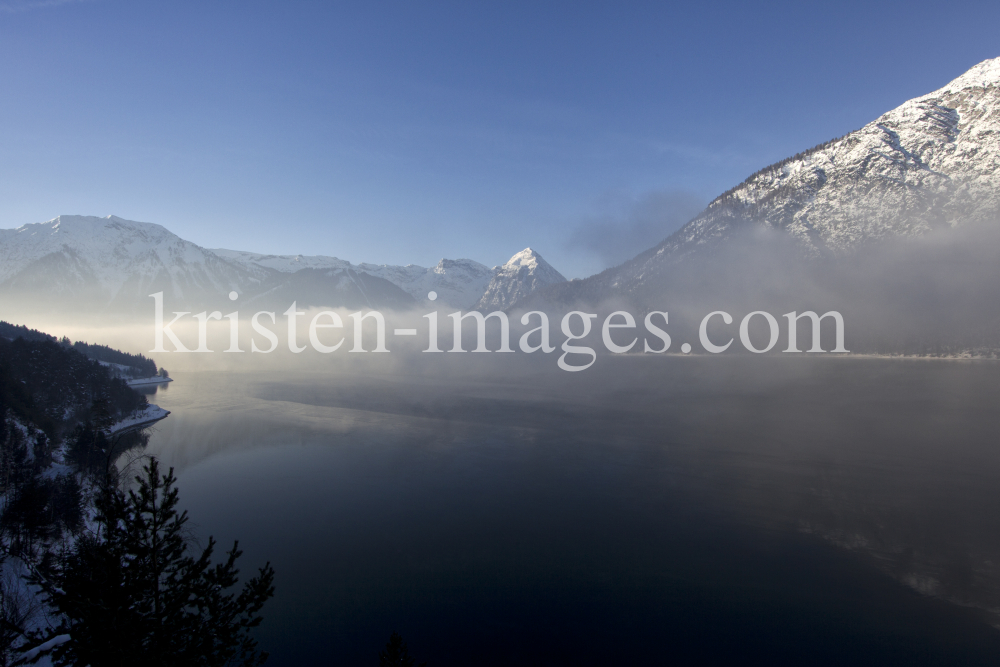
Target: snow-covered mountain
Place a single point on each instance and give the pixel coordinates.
(85, 264)
(525, 273)
(88, 263)
(252, 261)
(316, 287)
(314, 281)
(457, 282)
(933, 162)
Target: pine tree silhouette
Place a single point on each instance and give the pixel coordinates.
(396, 654)
(131, 595)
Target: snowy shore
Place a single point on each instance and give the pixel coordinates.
(156, 379)
(139, 419)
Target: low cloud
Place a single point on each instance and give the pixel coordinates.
(627, 225)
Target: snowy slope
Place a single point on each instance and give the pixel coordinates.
(281, 263)
(100, 265)
(332, 287)
(522, 275)
(313, 280)
(97, 263)
(112, 249)
(457, 282)
(932, 162)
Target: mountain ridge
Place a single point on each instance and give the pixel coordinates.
(458, 282)
(932, 162)
(111, 265)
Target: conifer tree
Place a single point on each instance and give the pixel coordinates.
(130, 594)
(396, 654)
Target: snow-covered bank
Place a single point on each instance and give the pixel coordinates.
(155, 379)
(139, 419)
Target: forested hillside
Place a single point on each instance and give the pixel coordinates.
(136, 365)
(60, 416)
(54, 387)
(77, 585)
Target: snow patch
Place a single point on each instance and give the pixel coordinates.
(139, 418)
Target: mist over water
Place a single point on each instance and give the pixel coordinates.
(719, 510)
(934, 293)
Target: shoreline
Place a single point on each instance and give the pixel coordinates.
(141, 382)
(139, 420)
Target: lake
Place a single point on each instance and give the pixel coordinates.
(647, 511)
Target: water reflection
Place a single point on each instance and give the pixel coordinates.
(712, 510)
(151, 390)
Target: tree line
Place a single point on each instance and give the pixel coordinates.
(137, 364)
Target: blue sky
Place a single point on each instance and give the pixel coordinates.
(405, 132)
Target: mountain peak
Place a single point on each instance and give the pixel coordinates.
(984, 74)
(98, 261)
(95, 229)
(524, 273)
(526, 257)
(928, 164)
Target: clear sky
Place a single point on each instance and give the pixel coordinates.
(405, 132)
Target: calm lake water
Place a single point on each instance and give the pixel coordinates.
(648, 511)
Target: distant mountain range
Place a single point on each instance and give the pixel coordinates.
(458, 282)
(111, 265)
(931, 163)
